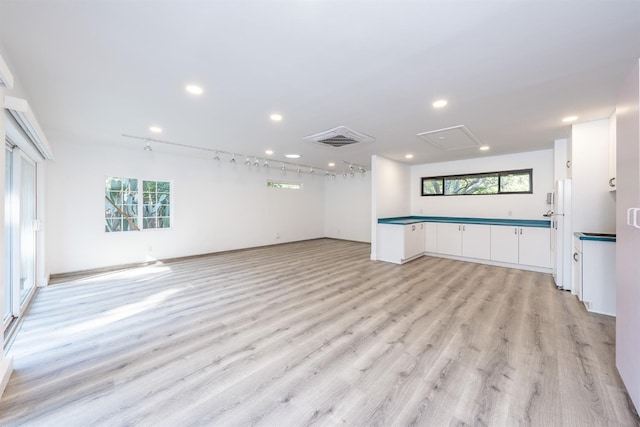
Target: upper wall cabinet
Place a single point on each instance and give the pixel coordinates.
(612, 153)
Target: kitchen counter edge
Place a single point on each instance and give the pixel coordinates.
(404, 220)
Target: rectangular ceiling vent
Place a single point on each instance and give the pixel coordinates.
(451, 139)
(339, 137)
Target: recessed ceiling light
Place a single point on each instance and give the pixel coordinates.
(331, 164)
(194, 90)
(292, 156)
(276, 117)
(155, 129)
(268, 152)
(570, 119)
(484, 147)
(440, 103)
(408, 156)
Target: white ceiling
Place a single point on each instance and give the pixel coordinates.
(511, 70)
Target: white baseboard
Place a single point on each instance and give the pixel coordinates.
(6, 369)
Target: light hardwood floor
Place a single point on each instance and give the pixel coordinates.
(314, 333)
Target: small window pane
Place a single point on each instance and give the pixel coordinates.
(149, 186)
(120, 197)
(515, 183)
(472, 185)
(431, 186)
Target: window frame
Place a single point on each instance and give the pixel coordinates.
(498, 174)
(284, 185)
(140, 217)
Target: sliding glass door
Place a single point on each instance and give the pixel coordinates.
(20, 232)
(8, 288)
(27, 194)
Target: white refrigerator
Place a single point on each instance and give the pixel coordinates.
(562, 237)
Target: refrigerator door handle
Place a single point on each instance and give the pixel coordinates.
(632, 217)
(635, 217)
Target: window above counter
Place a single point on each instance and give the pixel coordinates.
(488, 183)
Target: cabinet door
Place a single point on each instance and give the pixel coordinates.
(476, 241)
(599, 277)
(431, 237)
(450, 239)
(391, 244)
(413, 240)
(535, 246)
(504, 243)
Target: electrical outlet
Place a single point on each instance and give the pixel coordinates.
(510, 213)
(277, 236)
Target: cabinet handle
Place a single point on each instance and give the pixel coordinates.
(611, 182)
(459, 228)
(521, 231)
(575, 256)
(421, 226)
(413, 228)
(515, 231)
(464, 228)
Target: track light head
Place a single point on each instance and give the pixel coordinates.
(148, 147)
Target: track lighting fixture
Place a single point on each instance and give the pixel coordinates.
(218, 154)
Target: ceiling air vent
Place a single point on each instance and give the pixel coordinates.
(450, 139)
(341, 136)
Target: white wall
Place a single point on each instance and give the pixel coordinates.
(390, 183)
(348, 207)
(593, 206)
(515, 206)
(217, 206)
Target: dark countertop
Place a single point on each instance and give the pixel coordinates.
(404, 220)
(596, 237)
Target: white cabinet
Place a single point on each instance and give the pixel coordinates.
(449, 239)
(413, 240)
(534, 246)
(504, 244)
(596, 275)
(400, 243)
(476, 241)
(467, 240)
(521, 245)
(431, 237)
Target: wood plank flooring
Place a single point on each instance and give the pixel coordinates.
(314, 333)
